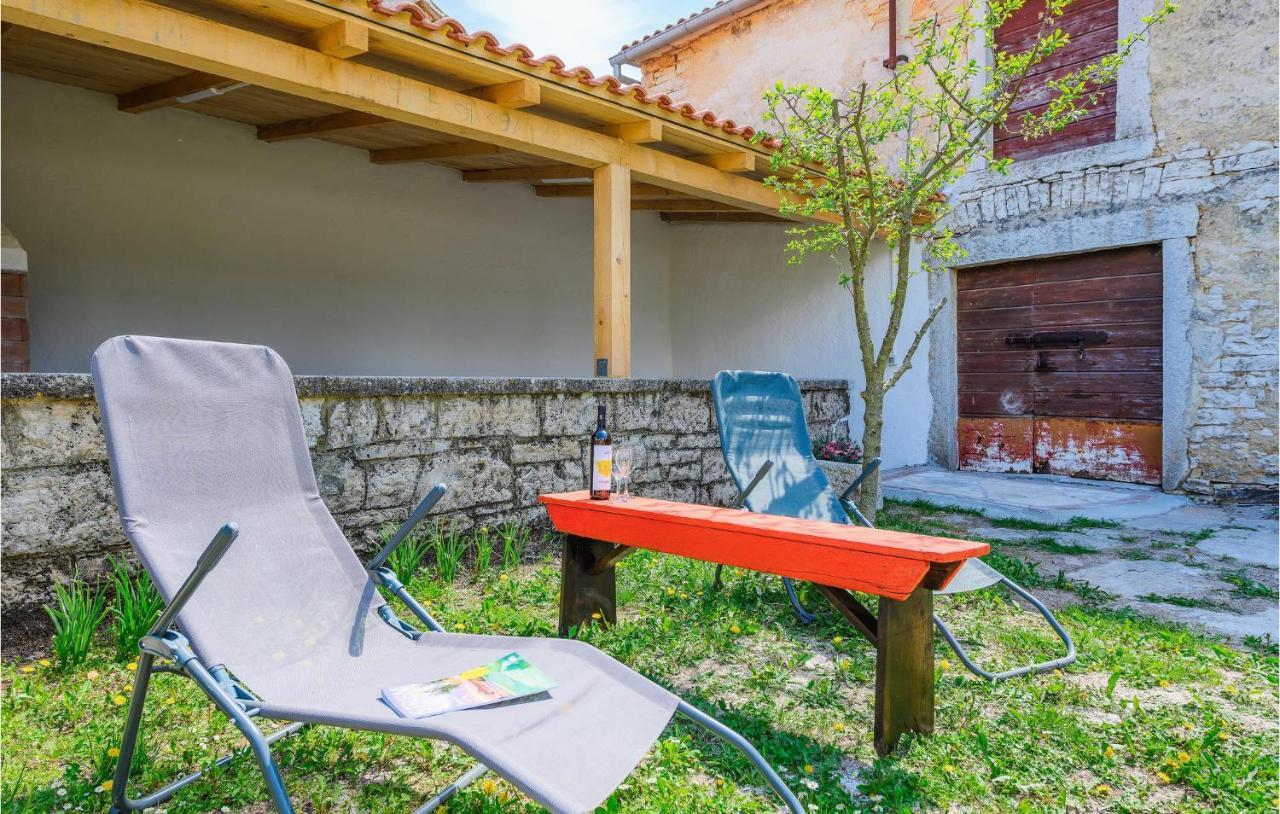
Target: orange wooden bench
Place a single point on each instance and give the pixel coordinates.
(902, 569)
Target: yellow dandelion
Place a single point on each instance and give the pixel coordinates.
(671, 592)
(1057, 672)
(1164, 683)
(837, 726)
(459, 626)
(489, 786)
(948, 768)
(1230, 689)
(502, 578)
(45, 662)
(597, 615)
(845, 664)
(1101, 788)
(808, 768)
(944, 664)
(1183, 757)
(1164, 777)
(1222, 736)
(118, 700)
(1111, 752)
(133, 665)
(168, 702)
(684, 596)
(113, 752)
(734, 629)
(1187, 726)
(26, 668)
(837, 639)
(106, 785)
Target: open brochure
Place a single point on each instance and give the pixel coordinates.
(507, 678)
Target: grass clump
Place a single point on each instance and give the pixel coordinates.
(451, 547)
(77, 612)
(135, 608)
(1248, 588)
(515, 539)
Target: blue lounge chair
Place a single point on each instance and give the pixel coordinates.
(766, 447)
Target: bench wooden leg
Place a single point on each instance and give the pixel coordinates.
(904, 668)
(586, 588)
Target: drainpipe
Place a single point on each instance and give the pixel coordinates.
(894, 57)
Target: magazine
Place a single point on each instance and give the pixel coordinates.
(507, 678)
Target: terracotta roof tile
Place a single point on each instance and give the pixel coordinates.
(554, 67)
(670, 26)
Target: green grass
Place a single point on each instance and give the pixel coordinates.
(1185, 601)
(1245, 587)
(1151, 717)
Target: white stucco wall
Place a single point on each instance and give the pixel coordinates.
(179, 224)
(735, 303)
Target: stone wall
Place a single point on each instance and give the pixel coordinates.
(378, 444)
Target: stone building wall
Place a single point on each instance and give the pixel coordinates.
(1200, 150)
(378, 445)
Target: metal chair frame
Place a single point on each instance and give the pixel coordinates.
(805, 617)
(241, 706)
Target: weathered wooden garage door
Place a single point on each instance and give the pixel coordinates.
(1060, 366)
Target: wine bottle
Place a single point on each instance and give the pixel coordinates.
(601, 458)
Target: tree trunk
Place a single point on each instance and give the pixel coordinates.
(872, 432)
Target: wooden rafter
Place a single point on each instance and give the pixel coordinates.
(223, 50)
(517, 94)
(585, 191)
(164, 94)
(318, 126)
(719, 217)
(645, 131)
(547, 173)
(340, 39)
(741, 161)
(435, 152)
(680, 205)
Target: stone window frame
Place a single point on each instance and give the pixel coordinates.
(1135, 131)
(1172, 227)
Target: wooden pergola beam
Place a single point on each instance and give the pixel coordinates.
(586, 191)
(199, 44)
(645, 131)
(165, 94)
(515, 95)
(319, 126)
(547, 173)
(341, 39)
(739, 161)
(719, 217)
(612, 264)
(434, 152)
(680, 205)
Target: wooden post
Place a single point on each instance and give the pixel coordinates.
(904, 668)
(584, 589)
(612, 196)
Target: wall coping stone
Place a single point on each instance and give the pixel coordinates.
(15, 386)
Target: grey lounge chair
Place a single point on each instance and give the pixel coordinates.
(286, 624)
(766, 447)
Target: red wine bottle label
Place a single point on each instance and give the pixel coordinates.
(601, 467)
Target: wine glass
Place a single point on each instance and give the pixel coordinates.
(624, 458)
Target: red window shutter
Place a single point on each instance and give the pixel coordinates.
(1092, 28)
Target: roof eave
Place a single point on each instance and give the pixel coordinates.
(677, 32)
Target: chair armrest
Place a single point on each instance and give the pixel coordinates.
(420, 511)
(755, 481)
(867, 468)
(210, 558)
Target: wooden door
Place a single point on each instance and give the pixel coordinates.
(1060, 364)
